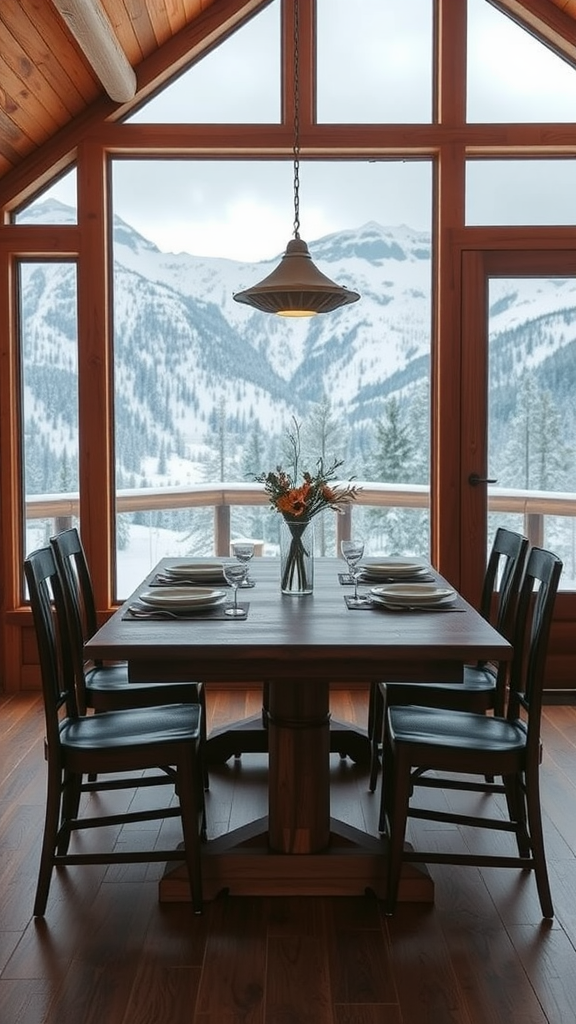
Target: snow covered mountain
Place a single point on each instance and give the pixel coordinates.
(184, 348)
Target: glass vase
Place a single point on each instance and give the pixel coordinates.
(297, 557)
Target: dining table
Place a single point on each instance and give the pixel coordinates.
(299, 646)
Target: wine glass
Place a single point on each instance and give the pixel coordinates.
(352, 551)
(244, 551)
(234, 574)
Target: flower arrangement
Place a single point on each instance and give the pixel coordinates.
(299, 502)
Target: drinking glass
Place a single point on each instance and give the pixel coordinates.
(244, 551)
(234, 574)
(352, 551)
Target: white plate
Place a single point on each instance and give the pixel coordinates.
(196, 570)
(393, 567)
(424, 606)
(183, 598)
(413, 594)
(392, 574)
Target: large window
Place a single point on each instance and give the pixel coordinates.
(532, 419)
(49, 340)
(393, 176)
(206, 388)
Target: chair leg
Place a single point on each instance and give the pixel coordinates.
(516, 804)
(203, 734)
(375, 722)
(537, 840)
(386, 781)
(51, 820)
(70, 803)
(396, 811)
(386, 794)
(265, 704)
(192, 810)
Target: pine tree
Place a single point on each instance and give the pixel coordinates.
(394, 448)
(535, 456)
(395, 459)
(550, 456)
(162, 460)
(255, 518)
(323, 437)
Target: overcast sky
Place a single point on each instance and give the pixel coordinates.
(245, 211)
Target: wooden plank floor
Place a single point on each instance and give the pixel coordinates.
(108, 952)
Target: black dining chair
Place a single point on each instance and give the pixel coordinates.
(483, 686)
(106, 687)
(469, 744)
(115, 742)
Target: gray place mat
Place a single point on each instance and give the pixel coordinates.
(347, 581)
(370, 606)
(138, 612)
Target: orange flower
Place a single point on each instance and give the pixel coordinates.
(314, 494)
(294, 502)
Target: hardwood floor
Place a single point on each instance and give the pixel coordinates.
(107, 951)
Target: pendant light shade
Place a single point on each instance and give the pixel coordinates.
(296, 287)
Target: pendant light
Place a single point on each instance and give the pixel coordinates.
(296, 287)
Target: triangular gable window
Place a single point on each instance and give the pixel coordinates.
(237, 82)
(56, 204)
(513, 77)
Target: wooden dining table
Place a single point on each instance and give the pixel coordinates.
(298, 646)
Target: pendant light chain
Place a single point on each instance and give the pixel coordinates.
(296, 148)
(296, 287)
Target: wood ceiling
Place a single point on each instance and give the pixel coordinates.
(47, 84)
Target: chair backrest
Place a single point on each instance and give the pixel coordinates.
(79, 601)
(504, 573)
(73, 565)
(533, 621)
(54, 649)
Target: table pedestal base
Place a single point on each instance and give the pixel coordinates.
(241, 863)
(250, 736)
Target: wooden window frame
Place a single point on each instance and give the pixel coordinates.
(89, 143)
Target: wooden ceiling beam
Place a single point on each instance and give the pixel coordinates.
(91, 28)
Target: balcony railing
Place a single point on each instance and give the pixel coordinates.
(533, 506)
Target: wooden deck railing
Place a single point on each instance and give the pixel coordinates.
(534, 506)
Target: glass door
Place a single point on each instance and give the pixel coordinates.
(518, 410)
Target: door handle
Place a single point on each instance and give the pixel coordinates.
(474, 479)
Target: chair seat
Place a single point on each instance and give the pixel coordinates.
(152, 727)
(444, 730)
(107, 677)
(479, 677)
(474, 677)
(112, 682)
(474, 693)
(108, 688)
